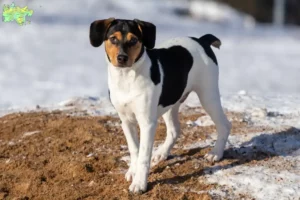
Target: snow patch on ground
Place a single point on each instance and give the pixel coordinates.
(277, 176)
(259, 182)
(92, 105)
(204, 121)
(273, 111)
(261, 110)
(201, 121)
(126, 159)
(274, 172)
(30, 133)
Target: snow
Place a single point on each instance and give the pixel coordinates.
(30, 133)
(259, 182)
(263, 181)
(52, 61)
(93, 105)
(273, 110)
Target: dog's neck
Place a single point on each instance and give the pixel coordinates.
(142, 52)
(125, 80)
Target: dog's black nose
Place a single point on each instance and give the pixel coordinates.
(122, 59)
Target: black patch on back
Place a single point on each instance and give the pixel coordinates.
(154, 70)
(206, 46)
(176, 63)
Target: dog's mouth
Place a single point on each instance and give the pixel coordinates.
(122, 65)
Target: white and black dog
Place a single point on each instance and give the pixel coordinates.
(146, 83)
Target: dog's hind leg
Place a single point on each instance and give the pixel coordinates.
(209, 95)
(212, 105)
(173, 131)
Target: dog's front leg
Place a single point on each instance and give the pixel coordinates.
(147, 128)
(130, 132)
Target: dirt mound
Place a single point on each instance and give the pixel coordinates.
(57, 156)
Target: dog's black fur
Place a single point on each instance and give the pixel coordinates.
(176, 63)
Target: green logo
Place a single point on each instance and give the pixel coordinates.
(14, 13)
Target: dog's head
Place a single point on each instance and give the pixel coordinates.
(124, 39)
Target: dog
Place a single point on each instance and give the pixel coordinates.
(146, 82)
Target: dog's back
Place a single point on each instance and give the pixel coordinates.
(183, 61)
(203, 43)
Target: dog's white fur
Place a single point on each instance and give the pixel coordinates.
(135, 97)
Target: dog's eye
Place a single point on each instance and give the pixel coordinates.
(113, 40)
(133, 41)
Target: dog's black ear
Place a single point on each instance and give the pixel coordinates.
(148, 31)
(98, 30)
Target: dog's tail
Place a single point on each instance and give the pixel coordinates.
(206, 41)
(210, 39)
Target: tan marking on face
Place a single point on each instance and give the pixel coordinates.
(134, 51)
(113, 50)
(118, 35)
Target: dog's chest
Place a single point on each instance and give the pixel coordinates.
(128, 89)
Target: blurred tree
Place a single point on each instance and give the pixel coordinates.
(279, 12)
(262, 10)
(293, 12)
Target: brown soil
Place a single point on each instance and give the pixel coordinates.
(57, 156)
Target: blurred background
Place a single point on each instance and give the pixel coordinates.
(51, 60)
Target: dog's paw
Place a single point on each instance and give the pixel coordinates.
(160, 155)
(138, 187)
(130, 174)
(214, 156)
